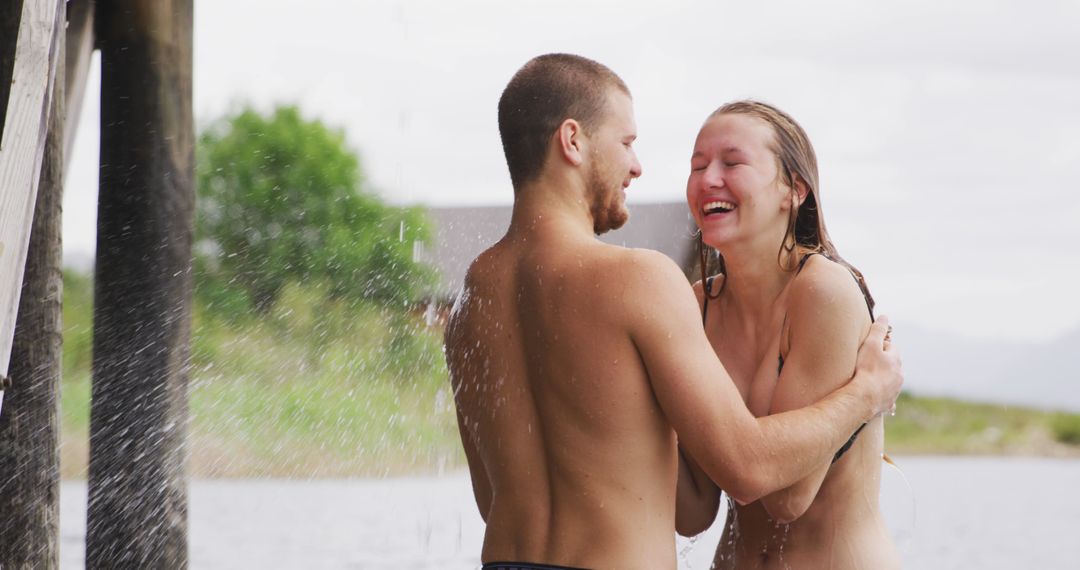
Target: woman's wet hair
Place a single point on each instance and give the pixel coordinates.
(545, 92)
(797, 163)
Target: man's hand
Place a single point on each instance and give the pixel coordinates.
(878, 367)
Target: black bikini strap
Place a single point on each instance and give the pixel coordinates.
(850, 442)
(708, 291)
(802, 262)
(805, 258)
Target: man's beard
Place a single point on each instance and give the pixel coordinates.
(607, 209)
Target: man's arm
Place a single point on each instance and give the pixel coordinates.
(827, 320)
(747, 457)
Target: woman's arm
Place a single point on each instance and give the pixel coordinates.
(748, 457)
(697, 498)
(827, 320)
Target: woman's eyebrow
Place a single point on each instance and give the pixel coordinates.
(725, 150)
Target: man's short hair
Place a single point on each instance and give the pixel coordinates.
(545, 92)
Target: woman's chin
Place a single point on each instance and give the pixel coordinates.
(716, 238)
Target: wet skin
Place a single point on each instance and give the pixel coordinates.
(834, 517)
(574, 365)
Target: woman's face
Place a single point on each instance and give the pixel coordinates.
(734, 190)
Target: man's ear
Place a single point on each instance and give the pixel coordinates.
(571, 141)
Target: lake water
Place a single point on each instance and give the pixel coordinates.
(985, 513)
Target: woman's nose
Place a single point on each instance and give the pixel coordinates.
(714, 176)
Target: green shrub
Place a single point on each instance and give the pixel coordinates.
(282, 199)
(1066, 428)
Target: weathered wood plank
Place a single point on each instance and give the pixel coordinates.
(21, 151)
(29, 426)
(10, 16)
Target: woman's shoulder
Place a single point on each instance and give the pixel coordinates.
(824, 285)
(826, 310)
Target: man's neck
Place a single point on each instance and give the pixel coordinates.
(551, 205)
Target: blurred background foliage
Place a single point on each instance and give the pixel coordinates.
(314, 350)
(281, 199)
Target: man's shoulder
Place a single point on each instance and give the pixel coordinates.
(641, 263)
(486, 264)
(478, 285)
(648, 286)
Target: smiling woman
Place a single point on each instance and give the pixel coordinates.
(786, 321)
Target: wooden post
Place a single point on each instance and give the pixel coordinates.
(22, 142)
(29, 427)
(77, 52)
(137, 512)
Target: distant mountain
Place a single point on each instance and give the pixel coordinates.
(1042, 375)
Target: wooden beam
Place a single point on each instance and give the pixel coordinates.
(137, 512)
(10, 17)
(29, 426)
(78, 52)
(21, 151)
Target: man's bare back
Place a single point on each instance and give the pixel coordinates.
(544, 371)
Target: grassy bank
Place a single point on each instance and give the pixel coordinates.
(947, 426)
(325, 389)
(313, 389)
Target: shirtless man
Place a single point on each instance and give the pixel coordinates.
(575, 363)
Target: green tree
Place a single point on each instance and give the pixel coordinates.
(281, 199)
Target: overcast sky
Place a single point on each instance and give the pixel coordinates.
(947, 136)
